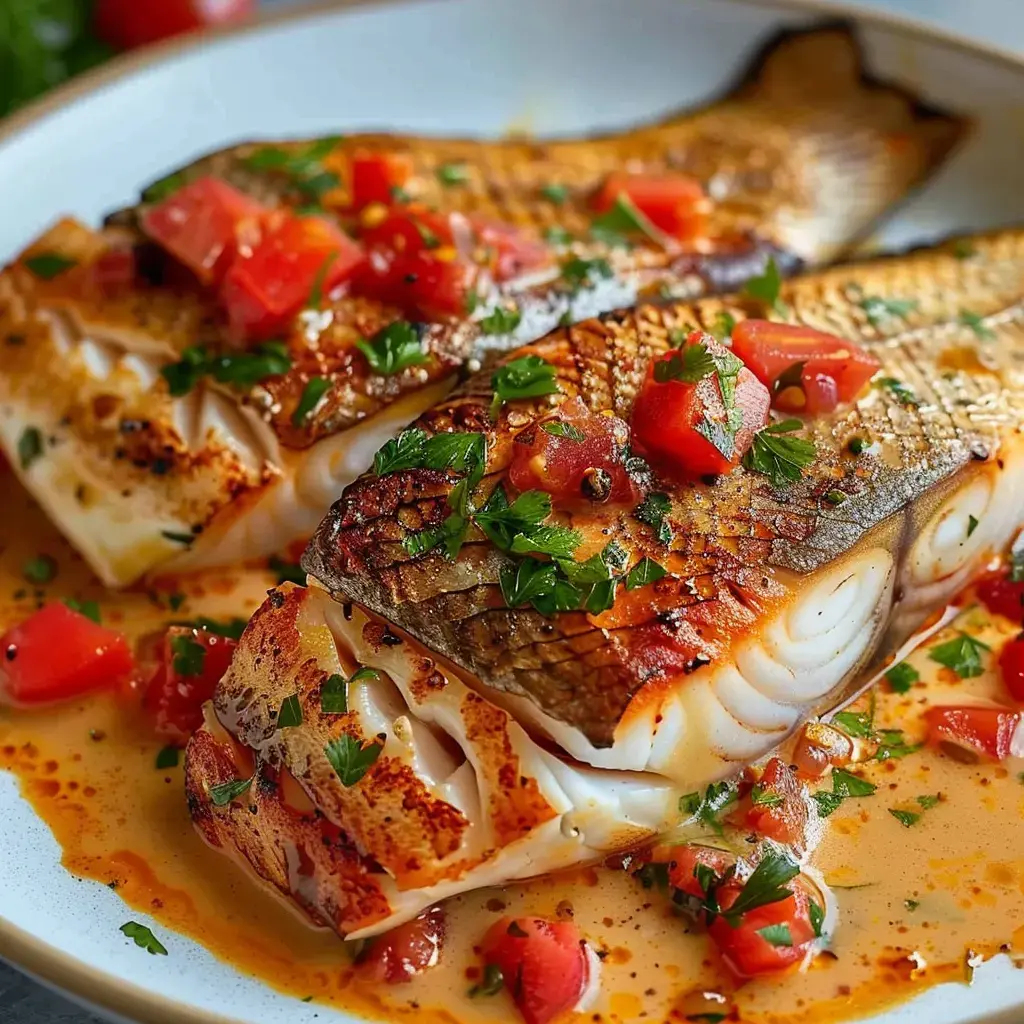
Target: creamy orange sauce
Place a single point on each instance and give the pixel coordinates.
(912, 901)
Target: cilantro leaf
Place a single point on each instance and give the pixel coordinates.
(246, 369)
(903, 394)
(776, 934)
(350, 759)
(652, 511)
(761, 797)
(580, 273)
(525, 377)
(315, 389)
(707, 807)
(901, 677)
(403, 452)
(559, 428)
(816, 914)
(766, 885)
(188, 656)
(502, 522)
(689, 365)
(39, 570)
(879, 310)
(905, 818)
(456, 451)
(167, 758)
(555, 193)
(394, 349)
(143, 938)
(502, 320)
(556, 541)
(90, 609)
(223, 794)
(290, 714)
(529, 580)
(962, 654)
(854, 723)
(767, 287)
(623, 219)
(452, 174)
(644, 572)
(976, 322)
(48, 265)
(779, 457)
(844, 785)
(30, 447)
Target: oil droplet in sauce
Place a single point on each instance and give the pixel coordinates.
(911, 899)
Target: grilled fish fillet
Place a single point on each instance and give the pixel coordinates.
(798, 161)
(514, 743)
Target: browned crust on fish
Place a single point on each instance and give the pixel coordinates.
(737, 540)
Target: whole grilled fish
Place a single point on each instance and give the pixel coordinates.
(797, 162)
(494, 740)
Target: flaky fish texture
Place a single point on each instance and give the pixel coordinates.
(774, 598)
(798, 161)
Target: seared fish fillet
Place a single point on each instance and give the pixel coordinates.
(511, 742)
(797, 162)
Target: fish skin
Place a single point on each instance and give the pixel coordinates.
(740, 550)
(232, 471)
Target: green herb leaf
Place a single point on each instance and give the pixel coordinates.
(962, 654)
(456, 451)
(350, 759)
(623, 219)
(167, 758)
(857, 445)
(644, 572)
(228, 791)
(779, 457)
(334, 695)
(898, 390)
(290, 714)
(652, 511)
(844, 785)
(767, 287)
(452, 174)
(556, 541)
(490, 984)
(559, 428)
(689, 365)
(580, 273)
(316, 292)
(892, 745)
(816, 913)
(525, 377)
(911, 905)
(529, 580)
(403, 452)
(163, 188)
(776, 934)
(48, 265)
(761, 797)
(901, 677)
(972, 525)
(90, 609)
(246, 369)
(185, 374)
(905, 818)
(854, 723)
(39, 570)
(707, 808)
(315, 389)
(963, 249)
(723, 325)
(928, 801)
(879, 310)
(178, 538)
(555, 193)
(766, 885)
(556, 235)
(188, 656)
(393, 349)
(143, 938)
(233, 628)
(976, 322)
(30, 447)
(502, 320)
(1017, 566)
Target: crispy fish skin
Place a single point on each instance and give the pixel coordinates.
(141, 481)
(752, 569)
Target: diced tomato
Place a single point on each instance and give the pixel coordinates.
(269, 283)
(185, 680)
(114, 270)
(129, 23)
(407, 231)
(573, 469)
(777, 808)
(669, 417)
(376, 177)
(1001, 595)
(748, 952)
(512, 251)
(984, 730)
(771, 349)
(675, 203)
(683, 865)
(421, 284)
(544, 964)
(57, 654)
(200, 225)
(1011, 666)
(816, 393)
(406, 951)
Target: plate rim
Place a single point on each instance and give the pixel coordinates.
(45, 963)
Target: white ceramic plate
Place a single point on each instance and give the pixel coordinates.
(453, 67)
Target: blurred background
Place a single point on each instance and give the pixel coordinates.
(45, 42)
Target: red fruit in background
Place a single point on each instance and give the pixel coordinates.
(130, 23)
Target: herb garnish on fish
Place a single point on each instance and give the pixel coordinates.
(525, 377)
(393, 349)
(779, 457)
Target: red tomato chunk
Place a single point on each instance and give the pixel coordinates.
(683, 866)
(200, 225)
(57, 654)
(129, 23)
(1001, 595)
(983, 730)
(831, 370)
(544, 963)
(192, 664)
(673, 420)
(377, 177)
(674, 203)
(1011, 666)
(406, 951)
(776, 807)
(583, 462)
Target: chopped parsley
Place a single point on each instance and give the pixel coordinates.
(879, 310)
(452, 174)
(163, 188)
(644, 572)
(689, 365)
(911, 905)
(290, 714)
(900, 391)
(776, 934)
(1017, 566)
(816, 913)
(580, 273)
(402, 452)
(844, 786)
(901, 677)
(30, 446)
(972, 525)
(964, 249)
(857, 445)
(706, 809)
(528, 581)
(48, 265)
(767, 288)
(231, 628)
(929, 800)
(393, 349)
(350, 759)
(652, 511)
(525, 377)
(555, 193)
(167, 758)
(178, 538)
(315, 389)
(241, 369)
(334, 690)
(559, 428)
(835, 497)
(143, 938)
(766, 885)
(502, 320)
(761, 797)
(303, 168)
(557, 235)
(962, 654)
(779, 457)
(223, 794)
(39, 570)
(976, 322)
(188, 656)
(90, 609)
(490, 984)
(413, 449)
(622, 220)
(723, 325)
(905, 818)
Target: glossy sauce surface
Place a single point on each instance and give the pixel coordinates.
(914, 901)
